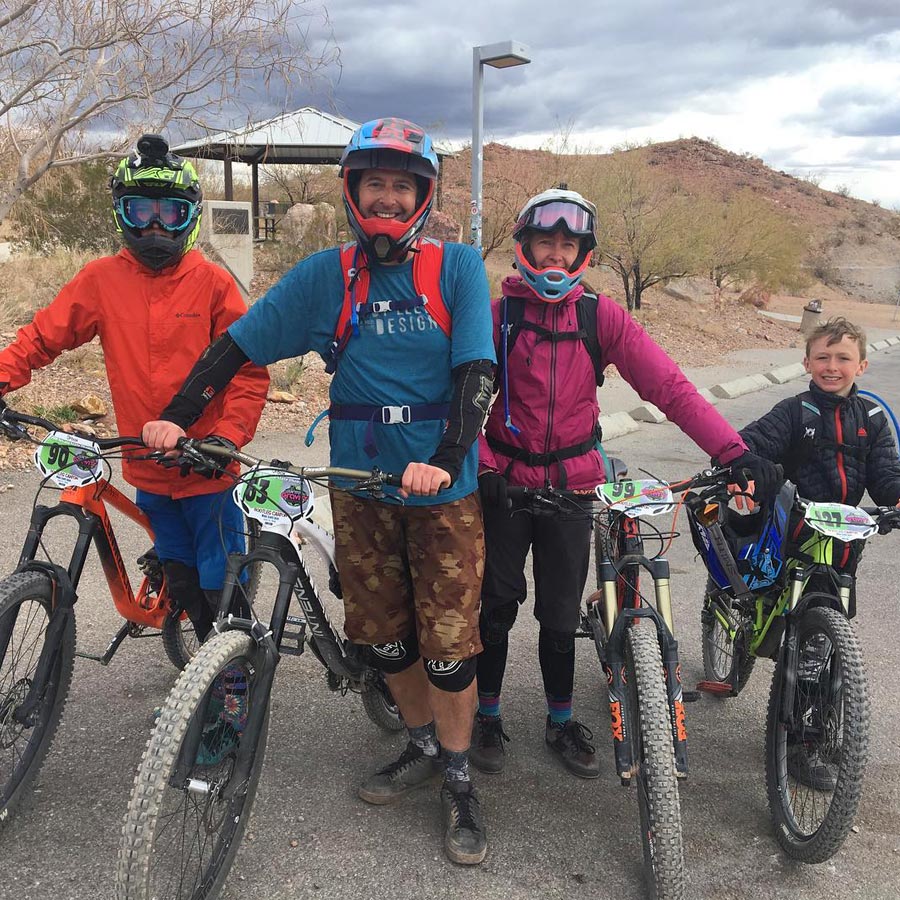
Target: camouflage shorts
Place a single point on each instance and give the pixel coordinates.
(406, 567)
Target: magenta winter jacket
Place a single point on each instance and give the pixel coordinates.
(553, 395)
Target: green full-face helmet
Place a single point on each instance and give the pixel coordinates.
(154, 187)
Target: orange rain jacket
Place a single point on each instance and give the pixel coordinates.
(152, 326)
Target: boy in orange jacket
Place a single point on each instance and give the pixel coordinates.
(156, 305)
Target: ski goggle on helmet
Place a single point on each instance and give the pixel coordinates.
(551, 211)
(172, 213)
(392, 144)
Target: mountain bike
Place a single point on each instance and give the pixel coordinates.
(780, 591)
(37, 601)
(198, 777)
(634, 636)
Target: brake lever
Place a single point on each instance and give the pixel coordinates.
(14, 431)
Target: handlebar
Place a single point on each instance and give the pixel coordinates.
(11, 423)
(197, 450)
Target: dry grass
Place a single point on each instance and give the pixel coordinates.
(28, 283)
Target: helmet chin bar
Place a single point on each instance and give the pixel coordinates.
(156, 251)
(551, 284)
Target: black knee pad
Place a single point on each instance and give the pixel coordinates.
(453, 675)
(395, 656)
(495, 625)
(556, 641)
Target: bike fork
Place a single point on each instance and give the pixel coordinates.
(614, 666)
(59, 619)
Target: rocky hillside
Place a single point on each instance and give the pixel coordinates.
(855, 245)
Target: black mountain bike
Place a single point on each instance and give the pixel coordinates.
(198, 777)
(797, 611)
(634, 636)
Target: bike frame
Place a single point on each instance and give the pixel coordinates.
(87, 506)
(792, 599)
(281, 547)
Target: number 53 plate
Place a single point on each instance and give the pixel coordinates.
(273, 496)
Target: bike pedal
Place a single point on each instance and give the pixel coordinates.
(299, 636)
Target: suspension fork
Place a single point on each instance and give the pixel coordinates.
(665, 630)
(64, 582)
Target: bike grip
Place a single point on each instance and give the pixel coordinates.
(392, 480)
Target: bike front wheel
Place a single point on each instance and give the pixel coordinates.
(657, 784)
(191, 802)
(26, 604)
(724, 634)
(816, 752)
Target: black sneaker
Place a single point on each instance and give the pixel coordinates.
(465, 840)
(411, 770)
(487, 752)
(810, 769)
(571, 743)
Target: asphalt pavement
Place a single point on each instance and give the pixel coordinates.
(551, 835)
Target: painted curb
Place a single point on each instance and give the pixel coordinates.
(893, 341)
(783, 374)
(879, 345)
(708, 396)
(616, 424)
(647, 412)
(740, 386)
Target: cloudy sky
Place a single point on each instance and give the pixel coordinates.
(811, 86)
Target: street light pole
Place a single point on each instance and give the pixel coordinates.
(500, 56)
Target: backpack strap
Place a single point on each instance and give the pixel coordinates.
(427, 265)
(355, 273)
(811, 440)
(586, 310)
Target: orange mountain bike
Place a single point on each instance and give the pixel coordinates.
(37, 601)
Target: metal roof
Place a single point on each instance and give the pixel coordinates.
(306, 135)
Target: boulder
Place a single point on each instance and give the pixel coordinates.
(90, 405)
(442, 227)
(297, 221)
(697, 290)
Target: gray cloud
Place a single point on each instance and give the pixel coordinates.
(621, 65)
(858, 110)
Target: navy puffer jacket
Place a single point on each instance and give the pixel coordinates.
(851, 449)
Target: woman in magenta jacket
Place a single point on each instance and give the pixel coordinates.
(542, 430)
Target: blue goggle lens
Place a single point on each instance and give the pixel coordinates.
(172, 213)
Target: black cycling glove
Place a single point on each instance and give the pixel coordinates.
(186, 466)
(492, 487)
(766, 476)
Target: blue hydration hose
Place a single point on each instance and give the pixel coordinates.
(887, 409)
(504, 352)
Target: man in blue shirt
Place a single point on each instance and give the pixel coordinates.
(412, 357)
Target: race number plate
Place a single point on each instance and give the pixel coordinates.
(846, 523)
(69, 460)
(272, 497)
(637, 498)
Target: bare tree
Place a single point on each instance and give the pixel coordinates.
(74, 68)
(304, 184)
(644, 224)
